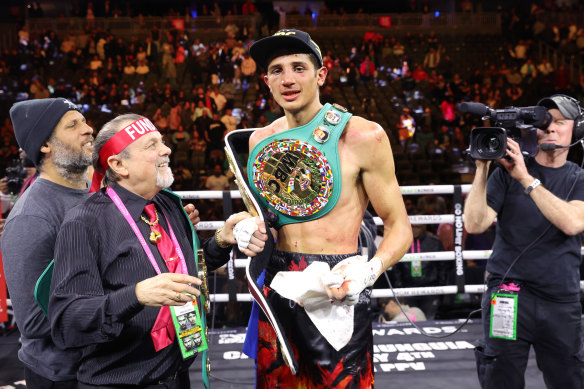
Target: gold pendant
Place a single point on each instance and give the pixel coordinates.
(155, 236)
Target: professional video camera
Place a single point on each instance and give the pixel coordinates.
(517, 123)
(15, 175)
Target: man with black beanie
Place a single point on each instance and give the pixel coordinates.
(56, 137)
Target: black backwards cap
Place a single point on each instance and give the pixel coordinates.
(34, 122)
(568, 106)
(284, 39)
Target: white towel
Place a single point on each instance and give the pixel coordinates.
(334, 320)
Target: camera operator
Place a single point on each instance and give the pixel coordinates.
(19, 176)
(533, 277)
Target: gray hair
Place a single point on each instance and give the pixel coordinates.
(107, 131)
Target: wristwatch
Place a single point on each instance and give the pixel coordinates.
(533, 185)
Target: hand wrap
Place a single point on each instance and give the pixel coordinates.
(243, 232)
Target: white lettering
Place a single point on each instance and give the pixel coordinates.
(432, 330)
(231, 338)
(408, 357)
(421, 347)
(139, 129)
(387, 367)
(412, 330)
(386, 348)
(231, 355)
(405, 357)
(458, 233)
(404, 347)
(438, 346)
(130, 132)
(148, 124)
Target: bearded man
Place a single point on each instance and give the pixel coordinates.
(56, 137)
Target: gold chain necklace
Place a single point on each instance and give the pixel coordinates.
(154, 235)
(155, 222)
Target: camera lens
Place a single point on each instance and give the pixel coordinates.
(488, 143)
(493, 145)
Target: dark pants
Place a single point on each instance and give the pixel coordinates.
(180, 381)
(552, 328)
(35, 381)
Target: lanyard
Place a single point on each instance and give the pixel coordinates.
(124, 211)
(412, 250)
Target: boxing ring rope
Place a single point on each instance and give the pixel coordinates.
(415, 219)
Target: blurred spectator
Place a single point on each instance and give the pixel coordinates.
(38, 90)
(229, 121)
(398, 49)
(528, 70)
(95, 63)
(419, 74)
(217, 181)
(248, 8)
(231, 30)
(216, 133)
(406, 128)
(201, 110)
(562, 81)
(545, 68)
(202, 124)
(180, 141)
(129, 69)
(514, 93)
(418, 273)
(392, 312)
(198, 148)
(448, 109)
(410, 206)
(432, 204)
(142, 69)
(425, 139)
(248, 68)
(68, 45)
(431, 59)
(219, 99)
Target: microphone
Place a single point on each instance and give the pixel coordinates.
(474, 108)
(551, 146)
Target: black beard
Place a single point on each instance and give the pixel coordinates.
(70, 163)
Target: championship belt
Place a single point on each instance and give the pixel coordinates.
(202, 275)
(237, 143)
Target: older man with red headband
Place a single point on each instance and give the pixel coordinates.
(124, 266)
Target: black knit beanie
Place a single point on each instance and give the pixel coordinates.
(34, 122)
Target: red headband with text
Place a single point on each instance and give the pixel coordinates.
(117, 143)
